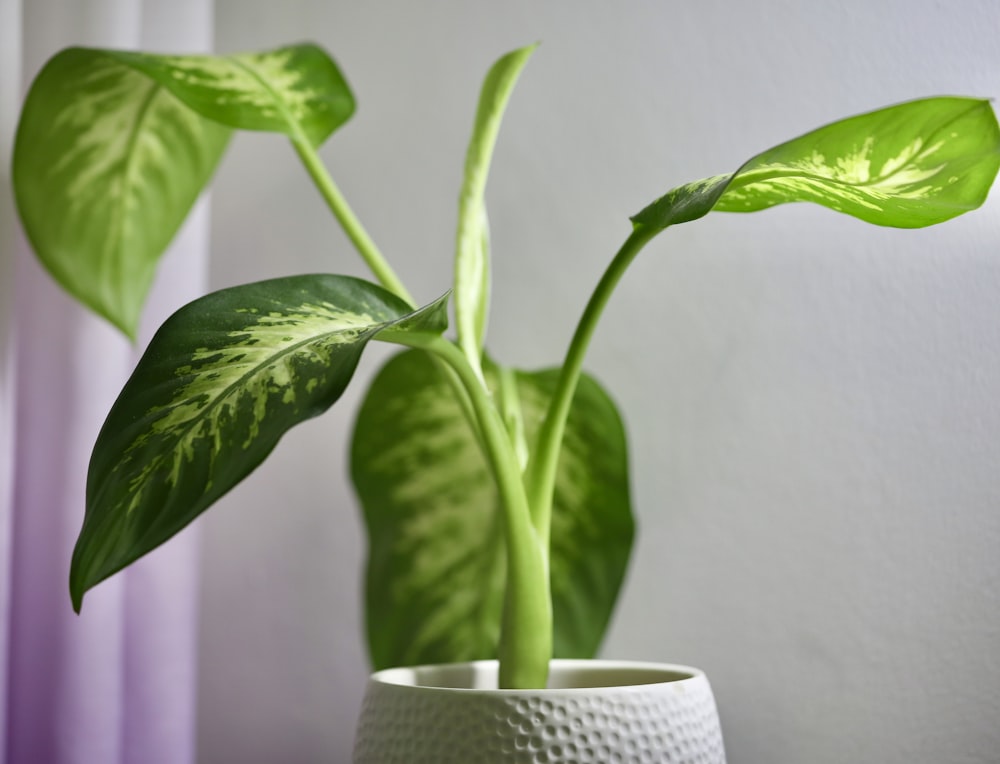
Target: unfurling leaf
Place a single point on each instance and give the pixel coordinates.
(472, 250)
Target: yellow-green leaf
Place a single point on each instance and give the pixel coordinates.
(912, 165)
(114, 147)
(296, 90)
(106, 167)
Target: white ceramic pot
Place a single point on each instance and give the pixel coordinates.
(593, 712)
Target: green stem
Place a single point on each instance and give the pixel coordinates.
(368, 250)
(510, 410)
(526, 628)
(540, 476)
(461, 397)
(348, 221)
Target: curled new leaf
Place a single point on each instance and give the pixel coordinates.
(223, 379)
(472, 267)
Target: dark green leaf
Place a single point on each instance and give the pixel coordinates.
(436, 565)
(223, 379)
(908, 166)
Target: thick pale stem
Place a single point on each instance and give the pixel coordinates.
(526, 628)
(540, 476)
(348, 221)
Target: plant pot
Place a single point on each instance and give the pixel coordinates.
(604, 712)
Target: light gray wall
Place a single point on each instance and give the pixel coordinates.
(812, 402)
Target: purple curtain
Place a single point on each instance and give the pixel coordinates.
(118, 683)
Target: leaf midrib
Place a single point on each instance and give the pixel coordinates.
(117, 224)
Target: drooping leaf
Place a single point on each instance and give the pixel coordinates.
(912, 165)
(106, 167)
(114, 147)
(472, 269)
(223, 379)
(436, 566)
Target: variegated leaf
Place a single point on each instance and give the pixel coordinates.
(114, 147)
(106, 166)
(223, 379)
(296, 90)
(436, 566)
(908, 166)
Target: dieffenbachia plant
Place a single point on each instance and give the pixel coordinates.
(497, 500)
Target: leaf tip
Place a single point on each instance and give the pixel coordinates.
(78, 579)
(521, 54)
(129, 329)
(76, 592)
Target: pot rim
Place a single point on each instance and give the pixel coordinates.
(456, 677)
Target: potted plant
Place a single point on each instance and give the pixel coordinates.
(112, 150)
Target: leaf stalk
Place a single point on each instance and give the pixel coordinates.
(526, 626)
(540, 476)
(359, 237)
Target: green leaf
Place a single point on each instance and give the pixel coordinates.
(223, 379)
(472, 268)
(907, 166)
(114, 147)
(106, 167)
(436, 566)
(296, 90)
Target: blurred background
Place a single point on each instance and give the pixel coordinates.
(811, 401)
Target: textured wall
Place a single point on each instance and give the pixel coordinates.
(812, 401)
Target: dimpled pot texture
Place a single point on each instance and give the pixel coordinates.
(593, 712)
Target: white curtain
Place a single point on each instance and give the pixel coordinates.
(118, 683)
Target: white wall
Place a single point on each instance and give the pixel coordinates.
(812, 402)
